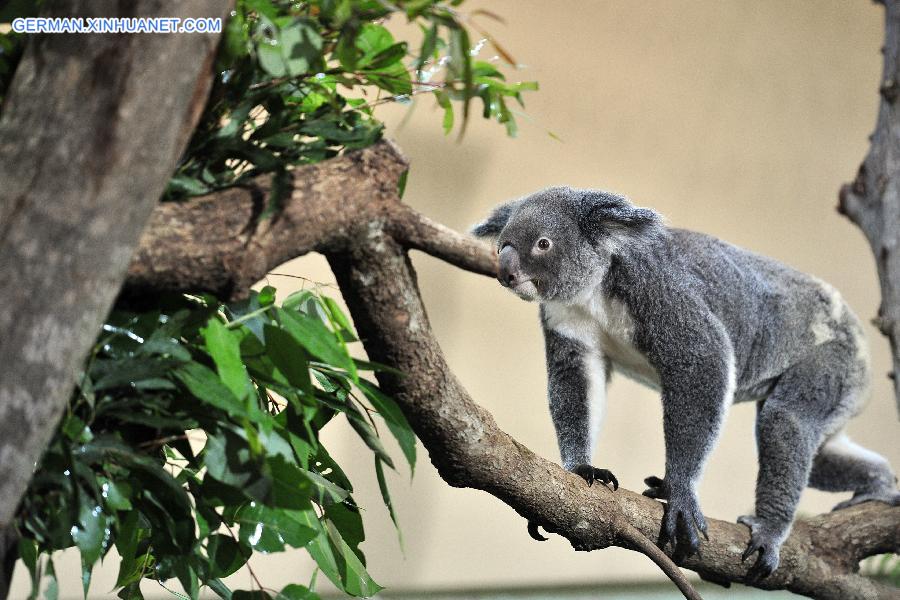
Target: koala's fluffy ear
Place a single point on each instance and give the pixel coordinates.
(605, 212)
(494, 224)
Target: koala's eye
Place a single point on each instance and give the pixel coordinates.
(543, 244)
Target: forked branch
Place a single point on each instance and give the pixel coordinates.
(348, 209)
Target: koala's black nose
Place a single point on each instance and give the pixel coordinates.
(509, 273)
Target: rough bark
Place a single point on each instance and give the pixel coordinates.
(218, 244)
(872, 200)
(91, 130)
(366, 236)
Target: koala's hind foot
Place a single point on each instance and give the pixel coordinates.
(765, 541)
(843, 465)
(891, 497)
(592, 474)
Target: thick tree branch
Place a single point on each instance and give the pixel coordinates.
(218, 244)
(91, 129)
(872, 201)
(366, 233)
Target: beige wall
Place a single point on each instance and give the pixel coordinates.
(739, 119)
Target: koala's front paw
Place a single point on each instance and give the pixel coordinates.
(592, 474)
(681, 522)
(766, 542)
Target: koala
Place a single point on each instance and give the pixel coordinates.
(706, 324)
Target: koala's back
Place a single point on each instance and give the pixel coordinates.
(775, 315)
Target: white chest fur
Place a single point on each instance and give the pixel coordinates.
(605, 326)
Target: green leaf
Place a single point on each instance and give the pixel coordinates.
(187, 576)
(443, 100)
(116, 495)
(367, 433)
(28, 552)
(296, 592)
(75, 429)
(51, 591)
(355, 580)
(401, 183)
(226, 555)
(263, 7)
(91, 531)
(86, 570)
(228, 459)
(294, 50)
(132, 591)
(386, 497)
(183, 185)
(348, 520)
(387, 57)
(312, 334)
(321, 551)
(324, 491)
(234, 41)
(389, 411)
(295, 300)
(337, 315)
(429, 45)
(206, 386)
(127, 537)
(289, 357)
(267, 529)
(372, 40)
(160, 344)
(266, 296)
(219, 588)
(461, 64)
(291, 488)
(301, 46)
(223, 346)
(271, 59)
(129, 372)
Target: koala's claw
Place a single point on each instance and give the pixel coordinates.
(534, 532)
(592, 474)
(681, 521)
(763, 543)
(656, 488)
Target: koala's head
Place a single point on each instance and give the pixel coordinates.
(555, 243)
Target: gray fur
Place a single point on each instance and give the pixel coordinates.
(706, 323)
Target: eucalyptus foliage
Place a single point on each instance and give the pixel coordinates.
(192, 439)
(299, 83)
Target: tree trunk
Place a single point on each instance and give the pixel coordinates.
(91, 130)
(872, 201)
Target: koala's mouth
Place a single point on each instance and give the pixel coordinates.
(526, 290)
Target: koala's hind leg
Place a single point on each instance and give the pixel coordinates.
(790, 426)
(841, 465)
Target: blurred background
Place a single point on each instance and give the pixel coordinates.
(738, 119)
